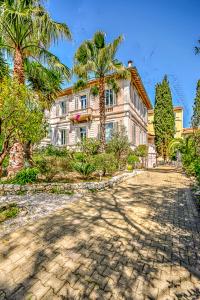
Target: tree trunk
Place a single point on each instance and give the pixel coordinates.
(16, 160)
(102, 115)
(2, 157)
(19, 66)
(28, 153)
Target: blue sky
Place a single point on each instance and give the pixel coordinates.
(159, 36)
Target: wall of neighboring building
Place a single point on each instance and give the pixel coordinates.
(150, 122)
(178, 113)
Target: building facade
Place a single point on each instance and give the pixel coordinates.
(178, 114)
(75, 116)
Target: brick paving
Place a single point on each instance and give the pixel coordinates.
(138, 241)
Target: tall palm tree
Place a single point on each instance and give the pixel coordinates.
(96, 58)
(27, 32)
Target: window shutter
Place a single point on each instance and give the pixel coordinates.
(76, 102)
(67, 136)
(77, 134)
(115, 126)
(57, 109)
(67, 106)
(98, 132)
(114, 98)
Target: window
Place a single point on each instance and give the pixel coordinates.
(83, 133)
(144, 138)
(109, 98)
(109, 130)
(145, 113)
(57, 110)
(135, 99)
(83, 102)
(49, 133)
(138, 103)
(63, 133)
(141, 137)
(141, 109)
(63, 106)
(134, 134)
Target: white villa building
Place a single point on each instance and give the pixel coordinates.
(76, 115)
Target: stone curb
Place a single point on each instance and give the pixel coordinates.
(12, 189)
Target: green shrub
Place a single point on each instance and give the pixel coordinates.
(130, 167)
(51, 150)
(26, 175)
(89, 146)
(105, 162)
(47, 168)
(51, 166)
(80, 156)
(132, 160)
(197, 170)
(85, 169)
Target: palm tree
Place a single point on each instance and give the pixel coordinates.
(27, 31)
(95, 58)
(46, 83)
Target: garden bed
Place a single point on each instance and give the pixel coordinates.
(8, 211)
(61, 187)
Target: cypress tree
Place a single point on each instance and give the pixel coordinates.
(196, 108)
(196, 120)
(164, 120)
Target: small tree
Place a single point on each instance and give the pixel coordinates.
(142, 152)
(119, 145)
(21, 117)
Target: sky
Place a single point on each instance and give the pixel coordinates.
(159, 37)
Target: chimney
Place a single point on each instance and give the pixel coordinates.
(130, 63)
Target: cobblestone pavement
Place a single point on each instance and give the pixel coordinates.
(33, 207)
(138, 241)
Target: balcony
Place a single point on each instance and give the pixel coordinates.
(80, 116)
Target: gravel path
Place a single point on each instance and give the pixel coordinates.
(33, 207)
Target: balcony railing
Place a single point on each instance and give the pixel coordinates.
(83, 115)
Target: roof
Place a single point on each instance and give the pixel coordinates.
(190, 130)
(175, 108)
(136, 79)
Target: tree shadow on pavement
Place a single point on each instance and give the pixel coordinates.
(137, 241)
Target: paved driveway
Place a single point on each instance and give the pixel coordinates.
(138, 241)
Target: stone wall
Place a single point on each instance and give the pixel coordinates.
(63, 187)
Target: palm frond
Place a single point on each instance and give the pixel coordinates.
(54, 62)
(94, 90)
(79, 85)
(46, 82)
(113, 84)
(99, 39)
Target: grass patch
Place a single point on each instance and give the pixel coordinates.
(8, 211)
(20, 193)
(60, 191)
